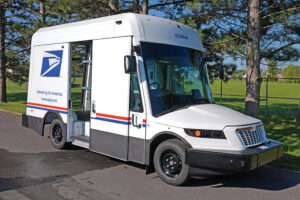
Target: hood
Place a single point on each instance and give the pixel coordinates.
(206, 116)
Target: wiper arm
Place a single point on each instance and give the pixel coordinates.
(204, 99)
(175, 108)
(183, 106)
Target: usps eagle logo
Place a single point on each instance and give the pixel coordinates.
(51, 64)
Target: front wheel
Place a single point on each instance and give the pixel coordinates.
(169, 162)
(58, 134)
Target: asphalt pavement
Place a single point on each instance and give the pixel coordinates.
(30, 168)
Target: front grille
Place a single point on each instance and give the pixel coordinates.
(252, 137)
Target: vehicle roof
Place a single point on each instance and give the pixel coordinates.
(141, 27)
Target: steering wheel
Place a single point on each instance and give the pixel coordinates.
(154, 86)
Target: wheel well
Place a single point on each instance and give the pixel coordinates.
(49, 117)
(154, 144)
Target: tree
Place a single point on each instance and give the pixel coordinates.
(292, 71)
(17, 24)
(272, 69)
(42, 11)
(252, 30)
(253, 80)
(239, 73)
(2, 56)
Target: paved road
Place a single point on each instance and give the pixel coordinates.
(30, 168)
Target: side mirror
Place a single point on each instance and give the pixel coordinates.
(221, 70)
(210, 58)
(130, 64)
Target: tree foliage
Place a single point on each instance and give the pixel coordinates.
(272, 69)
(239, 73)
(292, 71)
(223, 27)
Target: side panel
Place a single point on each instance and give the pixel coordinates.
(48, 80)
(110, 97)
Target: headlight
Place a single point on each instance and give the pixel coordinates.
(205, 133)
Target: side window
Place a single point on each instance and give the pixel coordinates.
(136, 104)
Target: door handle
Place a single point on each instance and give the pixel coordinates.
(94, 107)
(134, 120)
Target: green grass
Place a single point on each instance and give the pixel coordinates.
(279, 123)
(76, 93)
(16, 98)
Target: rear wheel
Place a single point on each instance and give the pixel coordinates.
(169, 162)
(58, 134)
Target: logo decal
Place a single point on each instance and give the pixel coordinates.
(51, 63)
(181, 36)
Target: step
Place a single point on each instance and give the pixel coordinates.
(75, 86)
(82, 141)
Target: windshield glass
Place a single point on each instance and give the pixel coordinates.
(176, 77)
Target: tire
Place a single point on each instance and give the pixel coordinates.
(58, 134)
(169, 162)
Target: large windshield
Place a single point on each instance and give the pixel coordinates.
(176, 77)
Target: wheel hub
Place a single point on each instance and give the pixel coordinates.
(57, 134)
(171, 163)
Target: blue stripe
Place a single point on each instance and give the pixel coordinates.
(112, 120)
(115, 121)
(41, 108)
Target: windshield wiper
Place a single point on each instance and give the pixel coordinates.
(205, 99)
(175, 108)
(182, 106)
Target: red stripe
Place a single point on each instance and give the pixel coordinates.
(113, 116)
(46, 106)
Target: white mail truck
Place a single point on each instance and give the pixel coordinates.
(144, 97)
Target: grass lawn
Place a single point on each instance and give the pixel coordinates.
(279, 122)
(16, 98)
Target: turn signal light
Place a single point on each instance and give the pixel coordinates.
(205, 133)
(197, 133)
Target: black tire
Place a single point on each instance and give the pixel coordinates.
(169, 162)
(58, 134)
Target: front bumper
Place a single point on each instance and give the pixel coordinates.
(231, 161)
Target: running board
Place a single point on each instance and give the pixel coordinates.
(82, 141)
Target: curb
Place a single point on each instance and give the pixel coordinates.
(11, 112)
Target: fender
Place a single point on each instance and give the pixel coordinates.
(151, 145)
(37, 123)
(50, 116)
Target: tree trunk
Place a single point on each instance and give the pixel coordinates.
(2, 58)
(145, 7)
(42, 11)
(114, 6)
(136, 6)
(253, 79)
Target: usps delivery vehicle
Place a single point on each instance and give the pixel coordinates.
(145, 97)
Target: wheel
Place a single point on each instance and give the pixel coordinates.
(169, 162)
(58, 134)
